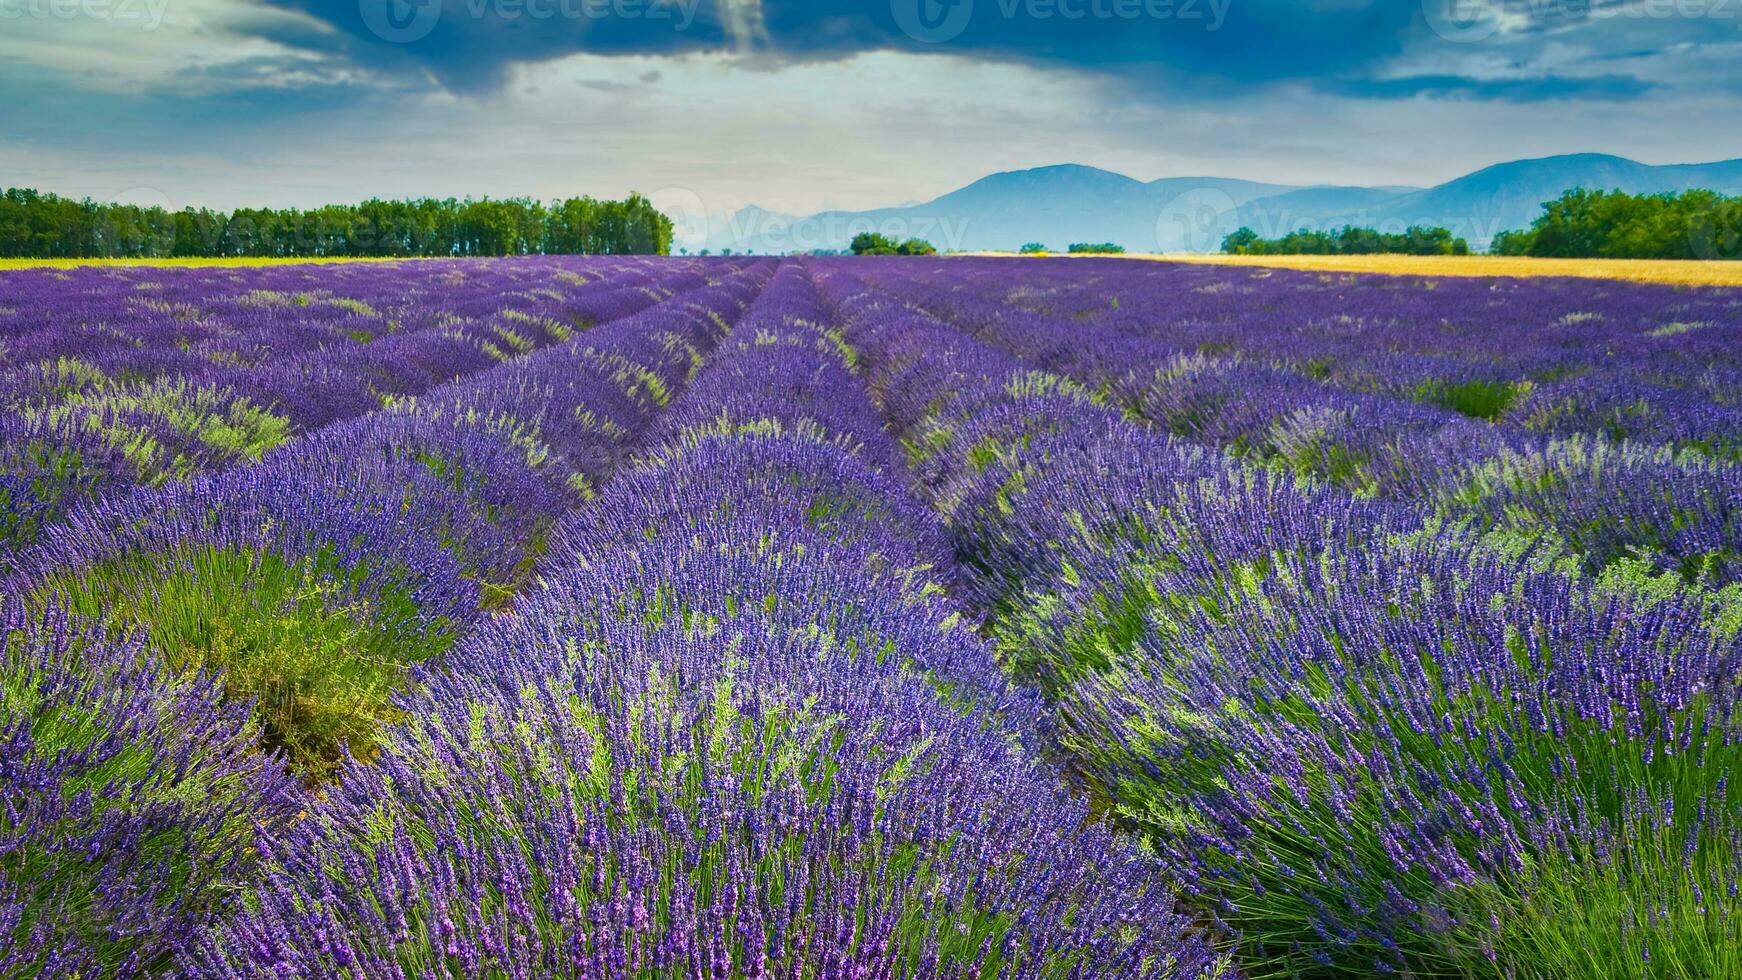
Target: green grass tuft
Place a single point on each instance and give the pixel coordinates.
(1478, 399)
(318, 662)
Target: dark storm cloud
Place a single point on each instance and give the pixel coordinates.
(1232, 39)
(467, 45)
(1202, 49)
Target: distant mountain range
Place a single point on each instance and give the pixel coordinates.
(1068, 203)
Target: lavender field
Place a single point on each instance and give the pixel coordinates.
(867, 618)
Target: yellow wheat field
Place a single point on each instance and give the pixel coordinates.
(1676, 273)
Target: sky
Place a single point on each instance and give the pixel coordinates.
(712, 105)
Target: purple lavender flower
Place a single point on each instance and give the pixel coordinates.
(131, 801)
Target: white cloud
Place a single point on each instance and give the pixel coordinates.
(171, 46)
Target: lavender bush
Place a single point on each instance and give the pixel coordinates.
(919, 618)
(1364, 746)
(131, 802)
(740, 733)
(313, 580)
(213, 369)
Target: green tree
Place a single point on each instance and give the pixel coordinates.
(872, 243)
(1240, 242)
(36, 225)
(1694, 224)
(1348, 240)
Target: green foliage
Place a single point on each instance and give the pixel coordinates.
(38, 225)
(1098, 248)
(1541, 514)
(295, 638)
(1695, 224)
(1510, 243)
(872, 243)
(1656, 908)
(131, 805)
(1644, 882)
(1034, 248)
(1241, 242)
(1350, 240)
(1478, 399)
(213, 420)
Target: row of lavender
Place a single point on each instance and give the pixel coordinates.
(1558, 356)
(154, 643)
(1644, 515)
(742, 733)
(1362, 747)
(118, 378)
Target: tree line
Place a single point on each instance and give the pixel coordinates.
(1695, 224)
(39, 225)
(1580, 224)
(1349, 240)
(872, 243)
